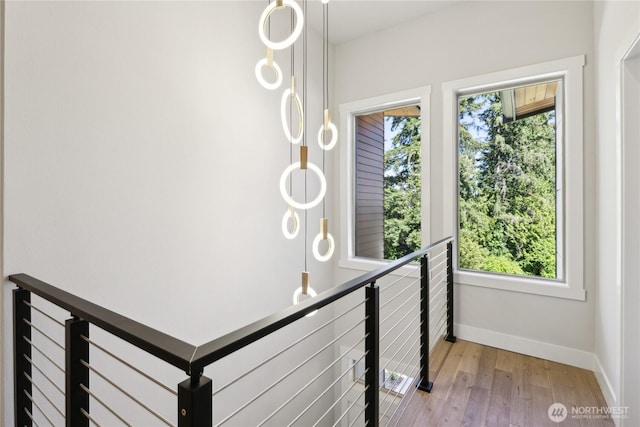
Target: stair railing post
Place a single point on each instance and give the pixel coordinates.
(450, 336)
(424, 384)
(372, 355)
(195, 404)
(21, 348)
(76, 372)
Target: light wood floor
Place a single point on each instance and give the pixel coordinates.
(476, 385)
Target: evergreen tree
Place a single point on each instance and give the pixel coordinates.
(402, 187)
(506, 189)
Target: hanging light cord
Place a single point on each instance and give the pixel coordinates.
(304, 108)
(293, 67)
(325, 81)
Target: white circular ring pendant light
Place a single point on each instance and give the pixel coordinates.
(285, 194)
(316, 247)
(290, 92)
(262, 25)
(264, 63)
(293, 215)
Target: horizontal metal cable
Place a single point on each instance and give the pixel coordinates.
(413, 393)
(438, 278)
(432, 257)
(439, 314)
(83, 412)
(441, 317)
(233, 414)
(35, 347)
(43, 334)
(349, 408)
(436, 288)
(398, 350)
(337, 401)
(439, 336)
(437, 295)
(437, 307)
(439, 327)
(34, 403)
(415, 306)
(31, 417)
(364, 408)
(43, 313)
(399, 293)
(121, 390)
(43, 394)
(43, 374)
(386, 287)
(397, 337)
(304, 411)
(437, 266)
(298, 341)
(311, 382)
(416, 353)
(411, 298)
(104, 405)
(128, 365)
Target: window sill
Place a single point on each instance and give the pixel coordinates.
(368, 264)
(518, 284)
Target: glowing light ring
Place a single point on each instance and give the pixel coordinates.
(316, 247)
(298, 293)
(290, 213)
(262, 25)
(265, 84)
(283, 115)
(334, 137)
(283, 186)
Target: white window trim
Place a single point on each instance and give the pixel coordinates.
(570, 69)
(348, 111)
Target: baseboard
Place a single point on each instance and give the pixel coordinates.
(605, 385)
(556, 353)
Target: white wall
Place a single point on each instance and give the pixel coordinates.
(474, 38)
(2, 329)
(616, 25)
(143, 159)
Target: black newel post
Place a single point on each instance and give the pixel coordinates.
(21, 348)
(450, 336)
(195, 408)
(424, 384)
(77, 350)
(372, 357)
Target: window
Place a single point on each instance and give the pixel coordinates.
(393, 382)
(383, 184)
(512, 184)
(509, 195)
(387, 183)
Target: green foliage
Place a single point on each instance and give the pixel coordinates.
(402, 187)
(507, 175)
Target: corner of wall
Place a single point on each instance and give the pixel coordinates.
(604, 383)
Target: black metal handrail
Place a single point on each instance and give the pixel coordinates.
(233, 341)
(190, 358)
(194, 394)
(172, 350)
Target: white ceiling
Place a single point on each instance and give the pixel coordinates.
(350, 19)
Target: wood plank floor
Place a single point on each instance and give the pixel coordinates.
(476, 385)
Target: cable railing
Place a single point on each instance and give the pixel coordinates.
(353, 355)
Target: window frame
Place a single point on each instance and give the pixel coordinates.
(570, 129)
(348, 111)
